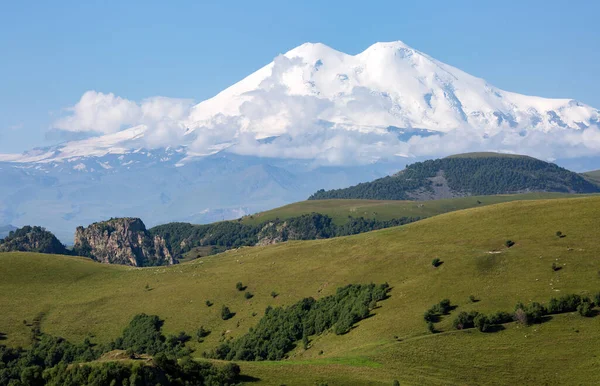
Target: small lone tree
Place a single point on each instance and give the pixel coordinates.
(509, 243)
(559, 234)
(202, 333)
(395, 383)
(209, 303)
(472, 299)
(274, 294)
(240, 286)
(436, 262)
(248, 295)
(226, 313)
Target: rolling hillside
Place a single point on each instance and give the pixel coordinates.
(76, 298)
(466, 175)
(340, 209)
(593, 176)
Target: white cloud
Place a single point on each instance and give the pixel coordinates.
(107, 113)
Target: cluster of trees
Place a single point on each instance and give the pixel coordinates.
(528, 314)
(280, 328)
(50, 361)
(32, 239)
(475, 176)
(182, 237)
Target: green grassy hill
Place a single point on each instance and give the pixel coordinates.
(593, 176)
(339, 210)
(464, 175)
(78, 297)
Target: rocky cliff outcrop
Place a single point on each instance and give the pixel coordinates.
(32, 239)
(122, 241)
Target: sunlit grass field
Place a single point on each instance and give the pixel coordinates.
(79, 298)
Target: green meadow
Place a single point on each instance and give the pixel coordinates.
(77, 298)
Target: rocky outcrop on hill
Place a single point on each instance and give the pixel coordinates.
(122, 241)
(32, 239)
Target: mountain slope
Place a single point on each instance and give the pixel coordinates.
(465, 175)
(314, 118)
(380, 97)
(79, 298)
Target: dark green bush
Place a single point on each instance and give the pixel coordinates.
(482, 322)
(248, 295)
(465, 320)
(509, 243)
(566, 303)
(586, 309)
(500, 317)
(436, 262)
(226, 313)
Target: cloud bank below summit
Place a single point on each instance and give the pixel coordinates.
(319, 104)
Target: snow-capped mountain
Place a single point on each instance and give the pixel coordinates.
(313, 118)
(317, 103)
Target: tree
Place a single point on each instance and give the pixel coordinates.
(240, 286)
(248, 295)
(226, 313)
(509, 243)
(436, 262)
(585, 309)
(202, 333)
(482, 323)
(274, 294)
(559, 234)
(431, 327)
(395, 383)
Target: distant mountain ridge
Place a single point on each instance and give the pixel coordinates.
(466, 175)
(32, 239)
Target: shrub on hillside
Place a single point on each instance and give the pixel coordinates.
(465, 320)
(248, 295)
(482, 322)
(202, 333)
(566, 303)
(509, 243)
(239, 286)
(436, 262)
(531, 314)
(226, 313)
(500, 317)
(586, 309)
(280, 328)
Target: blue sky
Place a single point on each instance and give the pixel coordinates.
(53, 52)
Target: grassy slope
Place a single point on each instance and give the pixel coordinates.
(339, 210)
(593, 176)
(80, 296)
